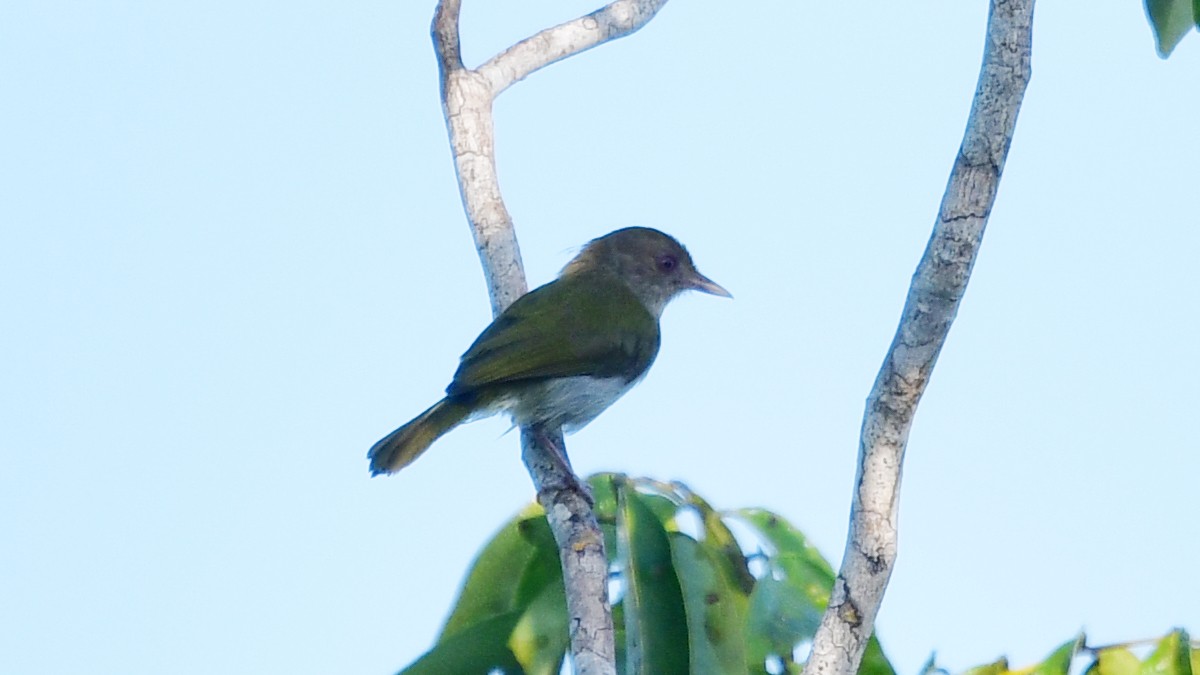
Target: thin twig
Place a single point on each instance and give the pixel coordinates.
(933, 299)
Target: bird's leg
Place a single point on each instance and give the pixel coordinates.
(556, 449)
(558, 455)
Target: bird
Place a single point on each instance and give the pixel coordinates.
(564, 352)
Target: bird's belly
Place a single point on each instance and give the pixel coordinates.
(567, 402)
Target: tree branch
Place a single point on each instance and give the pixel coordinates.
(467, 106)
(445, 37)
(933, 299)
(467, 97)
(610, 22)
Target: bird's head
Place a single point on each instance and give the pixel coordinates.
(654, 265)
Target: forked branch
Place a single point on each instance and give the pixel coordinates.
(467, 96)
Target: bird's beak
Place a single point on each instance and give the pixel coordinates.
(705, 285)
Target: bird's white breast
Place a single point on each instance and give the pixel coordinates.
(569, 402)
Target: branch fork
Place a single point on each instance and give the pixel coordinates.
(467, 96)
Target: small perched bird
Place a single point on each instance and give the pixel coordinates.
(563, 353)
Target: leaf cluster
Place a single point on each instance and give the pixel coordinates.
(689, 596)
(1173, 654)
(694, 590)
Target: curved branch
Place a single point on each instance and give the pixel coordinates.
(615, 20)
(933, 299)
(467, 97)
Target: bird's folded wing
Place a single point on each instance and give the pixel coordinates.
(555, 331)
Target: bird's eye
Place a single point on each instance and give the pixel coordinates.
(667, 263)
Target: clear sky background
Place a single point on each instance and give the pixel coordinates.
(234, 257)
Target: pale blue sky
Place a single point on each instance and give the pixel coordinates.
(234, 257)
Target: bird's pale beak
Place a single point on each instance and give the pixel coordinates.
(705, 285)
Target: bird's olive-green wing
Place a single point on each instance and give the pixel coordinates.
(573, 326)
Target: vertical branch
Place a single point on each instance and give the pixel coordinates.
(467, 105)
(467, 97)
(933, 299)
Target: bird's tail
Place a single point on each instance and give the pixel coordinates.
(399, 448)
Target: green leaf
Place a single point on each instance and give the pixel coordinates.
(1171, 20)
(655, 622)
(874, 661)
(1059, 661)
(785, 611)
(787, 603)
(1116, 661)
(604, 494)
(542, 569)
(998, 667)
(718, 537)
(715, 608)
(779, 617)
(618, 613)
(480, 648)
(663, 507)
(1172, 656)
(802, 564)
(488, 590)
(540, 639)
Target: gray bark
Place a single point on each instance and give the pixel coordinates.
(933, 300)
(467, 96)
